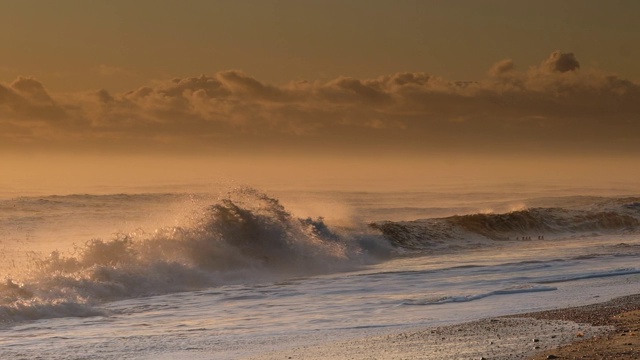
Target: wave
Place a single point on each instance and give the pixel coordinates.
(246, 237)
(527, 224)
(594, 275)
(467, 298)
(249, 237)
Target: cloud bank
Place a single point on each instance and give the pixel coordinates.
(555, 106)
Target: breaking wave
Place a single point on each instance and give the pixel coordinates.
(623, 217)
(247, 237)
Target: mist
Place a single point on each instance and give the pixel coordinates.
(69, 174)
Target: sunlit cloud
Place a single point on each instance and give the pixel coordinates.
(558, 104)
(502, 67)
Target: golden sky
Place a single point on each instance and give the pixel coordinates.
(332, 77)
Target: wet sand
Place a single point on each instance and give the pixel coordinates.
(608, 330)
(496, 338)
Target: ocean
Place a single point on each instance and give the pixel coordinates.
(241, 272)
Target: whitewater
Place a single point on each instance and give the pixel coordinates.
(240, 272)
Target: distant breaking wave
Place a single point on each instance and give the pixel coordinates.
(623, 216)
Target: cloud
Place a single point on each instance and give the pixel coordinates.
(502, 67)
(32, 89)
(555, 106)
(561, 62)
(26, 99)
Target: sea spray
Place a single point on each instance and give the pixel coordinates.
(246, 237)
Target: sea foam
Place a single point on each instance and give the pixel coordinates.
(245, 237)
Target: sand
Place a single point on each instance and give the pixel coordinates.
(623, 342)
(602, 331)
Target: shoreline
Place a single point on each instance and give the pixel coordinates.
(607, 330)
(622, 314)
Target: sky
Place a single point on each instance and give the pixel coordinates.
(320, 79)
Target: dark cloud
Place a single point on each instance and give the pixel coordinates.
(552, 104)
(26, 99)
(561, 62)
(32, 89)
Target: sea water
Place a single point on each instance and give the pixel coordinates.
(240, 272)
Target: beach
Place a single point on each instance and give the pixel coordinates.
(622, 342)
(607, 330)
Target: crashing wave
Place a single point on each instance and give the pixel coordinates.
(244, 238)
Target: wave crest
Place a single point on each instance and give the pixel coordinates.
(246, 237)
(529, 223)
